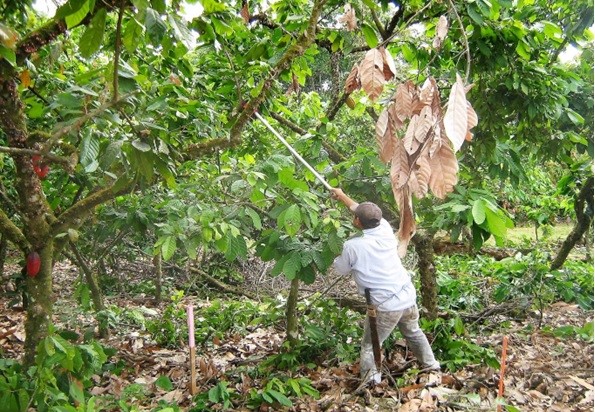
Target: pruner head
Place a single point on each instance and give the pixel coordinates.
(246, 106)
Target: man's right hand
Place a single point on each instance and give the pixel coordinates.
(337, 193)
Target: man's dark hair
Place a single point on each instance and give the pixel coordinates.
(369, 214)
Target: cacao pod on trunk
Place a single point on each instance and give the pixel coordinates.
(33, 264)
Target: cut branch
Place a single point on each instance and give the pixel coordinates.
(223, 286)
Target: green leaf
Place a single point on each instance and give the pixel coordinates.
(77, 16)
(475, 16)
(370, 36)
(132, 35)
(76, 391)
(574, 117)
(141, 5)
(158, 5)
(496, 223)
(221, 27)
(236, 248)
(9, 55)
(168, 247)
(334, 242)
(140, 145)
(163, 382)
(212, 6)
(292, 265)
(93, 36)
(458, 326)
(478, 211)
(522, 50)
(255, 217)
(155, 27)
(279, 397)
(111, 154)
(292, 220)
(70, 7)
(181, 31)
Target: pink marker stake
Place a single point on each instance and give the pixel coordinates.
(190, 311)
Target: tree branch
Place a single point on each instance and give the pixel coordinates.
(19, 151)
(464, 37)
(297, 49)
(56, 27)
(75, 215)
(117, 48)
(13, 233)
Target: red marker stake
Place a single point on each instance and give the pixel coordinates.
(190, 312)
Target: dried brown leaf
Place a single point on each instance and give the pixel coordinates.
(407, 226)
(394, 117)
(455, 118)
(471, 117)
(349, 18)
(399, 166)
(388, 68)
(385, 136)
(409, 142)
(404, 100)
(444, 167)
(425, 122)
(437, 140)
(371, 73)
(245, 12)
(427, 91)
(419, 177)
(352, 82)
(441, 32)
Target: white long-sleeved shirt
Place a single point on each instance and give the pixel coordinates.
(373, 261)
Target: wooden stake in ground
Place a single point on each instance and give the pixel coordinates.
(192, 346)
(502, 368)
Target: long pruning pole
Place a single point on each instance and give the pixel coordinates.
(292, 150)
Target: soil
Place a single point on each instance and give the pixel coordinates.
(542, 372)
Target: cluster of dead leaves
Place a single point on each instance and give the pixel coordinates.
(414, 134)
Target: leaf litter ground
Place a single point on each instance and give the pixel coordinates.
(543, 372)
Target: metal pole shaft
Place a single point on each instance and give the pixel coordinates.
(292, 150)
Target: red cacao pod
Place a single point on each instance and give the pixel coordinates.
(39, 167)
(42, 171)
(33, 264)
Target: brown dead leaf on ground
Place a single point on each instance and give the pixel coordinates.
(544, 372)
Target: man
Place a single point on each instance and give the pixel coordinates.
(373, 261)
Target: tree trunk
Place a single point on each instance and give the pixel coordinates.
(158, 277)
(96, 295)
(40, 304)
(423, 243)
(583, 207)
(291, 313)
(3, 251)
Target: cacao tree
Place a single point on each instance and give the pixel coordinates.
(123, 96)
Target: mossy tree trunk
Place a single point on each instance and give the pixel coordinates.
(423, 242)
(39, 304)
(291, 313)
(96, 295)
(583, 207)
